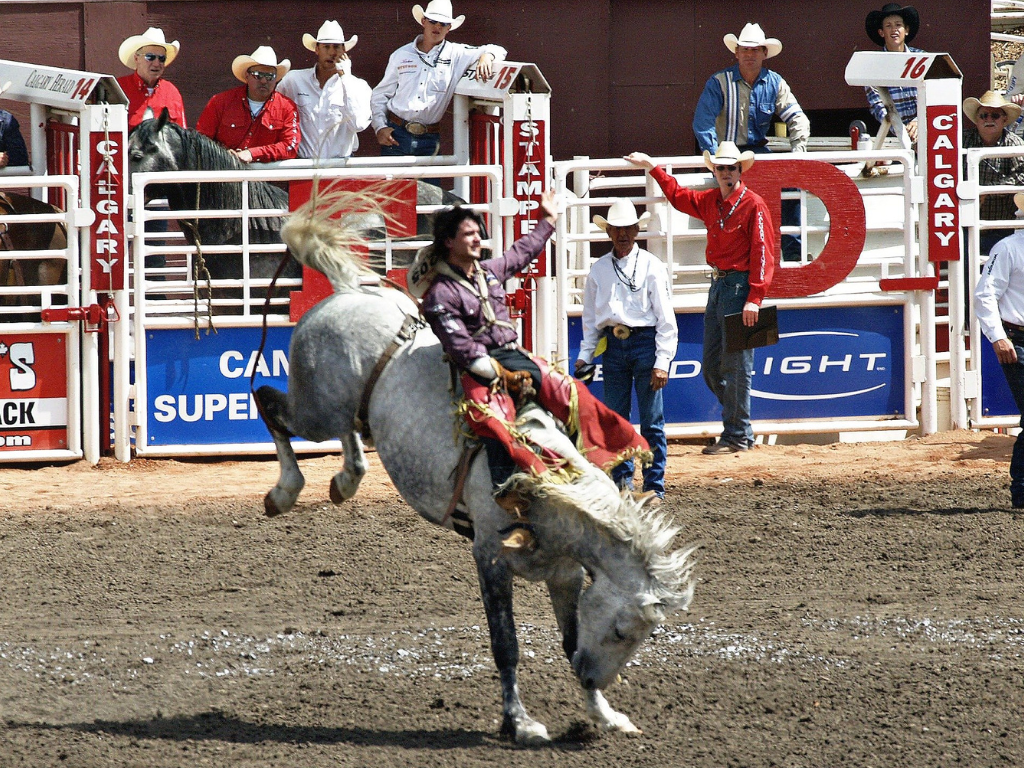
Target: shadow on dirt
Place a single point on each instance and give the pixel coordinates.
(217, 726)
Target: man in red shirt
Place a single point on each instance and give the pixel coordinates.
(255, 122)
(148, 93)
(740, 250)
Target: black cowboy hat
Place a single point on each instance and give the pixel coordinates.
(874, 20)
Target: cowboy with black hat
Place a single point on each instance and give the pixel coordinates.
(893, 27)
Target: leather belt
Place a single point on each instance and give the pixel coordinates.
(717, 274)
(412, 126)
(623, 332)
(1013, 327)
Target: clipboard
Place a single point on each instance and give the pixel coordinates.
(763, 333)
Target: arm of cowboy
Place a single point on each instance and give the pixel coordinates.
(523, 251)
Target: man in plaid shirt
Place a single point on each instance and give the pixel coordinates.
(892, 28)
(991, 114)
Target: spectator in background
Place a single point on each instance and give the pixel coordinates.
(333, 104)
(892, 28)
(12, 144)
(739, 102)
(149, 54)
(255, 122)
(420, 80)
(991, 116)
(738, 105)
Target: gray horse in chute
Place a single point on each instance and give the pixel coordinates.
(607, 559)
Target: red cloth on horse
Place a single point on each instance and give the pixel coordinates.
(602, 436)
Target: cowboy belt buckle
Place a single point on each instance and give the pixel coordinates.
(415, 128)
(621, 332)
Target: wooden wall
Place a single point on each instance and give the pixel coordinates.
(626, 74)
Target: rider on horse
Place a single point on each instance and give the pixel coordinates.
(464, 302)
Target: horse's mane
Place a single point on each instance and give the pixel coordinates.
(200, 153)
(642, 525)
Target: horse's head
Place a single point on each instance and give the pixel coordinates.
(636, 579)
(154, 145)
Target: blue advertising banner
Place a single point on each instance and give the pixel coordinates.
(829, 363)
(198, 389)
(996, 398)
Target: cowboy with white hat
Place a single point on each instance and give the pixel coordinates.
(420, 80)
(629, 321)
(741, 254)
(148, 92)
(999, 307)
(333, 104)
(739, 103)
(892, 28)
(254, 121)
(992, 116)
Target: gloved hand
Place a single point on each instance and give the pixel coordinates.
(518, 384)
(344, 67)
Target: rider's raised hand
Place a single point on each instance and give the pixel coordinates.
(548, 206)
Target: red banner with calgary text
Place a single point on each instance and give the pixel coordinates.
(943, 175)
(33, 392)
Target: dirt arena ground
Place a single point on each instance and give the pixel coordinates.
(858, 605)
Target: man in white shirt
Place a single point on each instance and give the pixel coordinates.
(627, 304)
(334, 104)
(999, 304)
(420, 81)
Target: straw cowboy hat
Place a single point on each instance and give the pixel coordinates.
(329, 32)
(873, 22)
(729, 154)
(438, 10)
(622, 214)
(752, 36)
(263, 56)
(990, 99)
(152, 36)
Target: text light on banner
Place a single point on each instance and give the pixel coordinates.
(106, 235)
(33, 392)
(943, 177)
(529, 176)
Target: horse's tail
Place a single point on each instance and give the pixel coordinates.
(325, 234)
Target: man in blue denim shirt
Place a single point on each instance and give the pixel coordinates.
(738, 103)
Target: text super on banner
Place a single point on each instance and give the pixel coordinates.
(33, 392)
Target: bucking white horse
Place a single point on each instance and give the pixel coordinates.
(607, 559)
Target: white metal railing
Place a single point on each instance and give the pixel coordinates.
(890, 252)
(966, 381)
(159, 303)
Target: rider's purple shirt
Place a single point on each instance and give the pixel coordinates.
(455, 313)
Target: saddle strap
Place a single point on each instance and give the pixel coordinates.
(405, 333)
(469, 452)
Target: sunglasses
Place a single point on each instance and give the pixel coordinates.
(984, 115)
(727, 167)
(154, 57)
(264, 76)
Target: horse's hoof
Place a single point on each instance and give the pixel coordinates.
(336, 495)
(272, 508)
(532, 734)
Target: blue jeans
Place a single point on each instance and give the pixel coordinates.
(627, 365)
(424, 145)
(1014, 373)
(728, 374)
